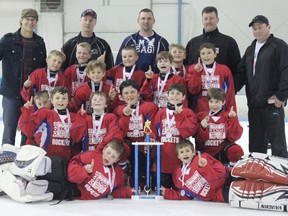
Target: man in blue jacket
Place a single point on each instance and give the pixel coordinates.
(147, 42)
(21, 53)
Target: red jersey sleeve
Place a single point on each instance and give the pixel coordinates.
(76, 170)
(186, 122)
(171, 194)
(193, 80)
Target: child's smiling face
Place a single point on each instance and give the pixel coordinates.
(207, 56)
(185, 154)
(60, 101)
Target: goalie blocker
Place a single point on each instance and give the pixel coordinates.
(267, 187)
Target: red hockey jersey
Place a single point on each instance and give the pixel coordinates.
(204, 183)
(133, 127)
(151, 90)
(199, 83)
(83, 92)
(39, 82)
(169, 132)
(55, 139)
(94, 137)
(104, 180)
(221, 131)
(72, 80)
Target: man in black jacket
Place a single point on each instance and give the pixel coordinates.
(227, 49)
(100, 49)
(21, 53)
(264, 71)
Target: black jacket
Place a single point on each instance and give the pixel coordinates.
(228, 50)
(98, 46)
(11, 54)
(271, 72)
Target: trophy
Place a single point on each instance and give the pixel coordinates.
(147, 188)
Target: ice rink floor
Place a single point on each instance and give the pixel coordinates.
(127, 207)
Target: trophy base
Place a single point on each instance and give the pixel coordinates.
(147, 197)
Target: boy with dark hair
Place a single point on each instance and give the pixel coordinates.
(132, 117)
(155, 87)
(209, 74)
(173, 123)
(58, 122)
(219, 129)
(257, 181)
(199, 176)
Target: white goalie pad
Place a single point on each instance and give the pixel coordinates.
(18, 189)
(258, 195)
(258, 166)
(28, 160)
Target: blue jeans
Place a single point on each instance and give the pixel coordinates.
(11, 114)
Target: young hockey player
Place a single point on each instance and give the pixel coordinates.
(126, 70)
(97, 175)
(173, 123)
(76, 73)
(132, 117)
(41, 100)
(56, 140)
(97, 129)
(205, 178)
(219, 129)
(209, 74)
(178, 53)
(155, 87)
(96, 71)
(45, 78)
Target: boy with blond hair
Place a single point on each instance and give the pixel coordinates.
(179, 54)
(96, 72)
(76, 73)
(46, 78)
(126, 70)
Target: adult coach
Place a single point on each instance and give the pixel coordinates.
(21, 53)
(99, 47)
(226, 47)
(264, 71)
(147, 42)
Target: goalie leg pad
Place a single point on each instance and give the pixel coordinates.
(259, 166)
(15, 188)
(258, 195)
(37, 187)
(44, 166)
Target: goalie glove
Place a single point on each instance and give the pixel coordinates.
(30, 162)
(7, 156)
